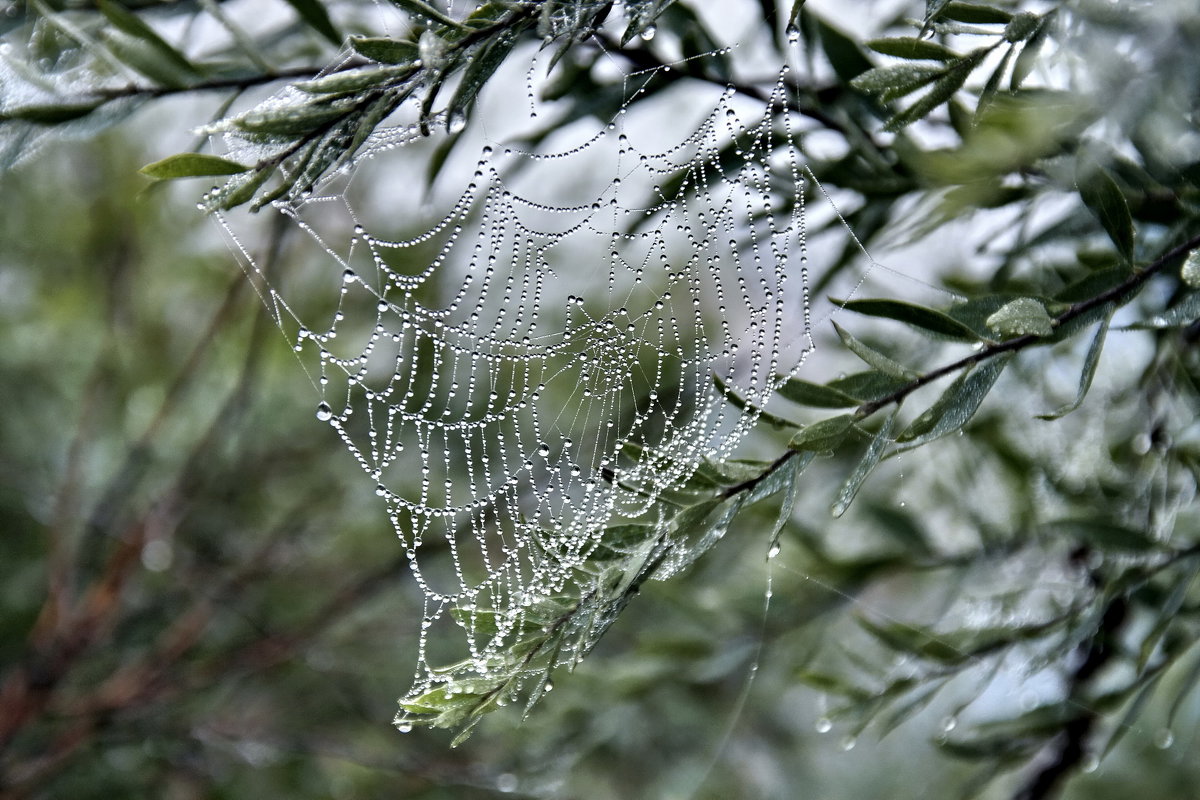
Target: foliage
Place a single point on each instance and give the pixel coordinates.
(1021, 118)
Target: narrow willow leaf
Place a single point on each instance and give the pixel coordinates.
(1029, 53)
(912, 48)
(1022, 26)
(483, 65)
(896, 81)
(133, 25)
(1190, 273)
(1166, 616)
(779, 479)
(872, 356)
(241, 189)
(845, 56)
(941, 92)
(824, 435)
(191, 165)
(1021, 317)
(975, 13)
(426, 12)
(315, 15)
(383, 50)
(1185, 312)
(1104, 199)
(988, 93)
(50, 113)
(870, 385)
(1089, 371)
(147, 60)
(740, 403)
(797, 7)
(867, 463)
(957, 404)
(815, 395)
(791, 476)
(920, 317)
(354, 80)
(1129, 719)
(289, 120)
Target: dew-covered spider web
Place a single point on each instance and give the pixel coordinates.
(588, 324)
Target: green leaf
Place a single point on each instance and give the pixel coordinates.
(191, 165)
(383, 50)
(483, 65)
(1029, 53)
(815, 395)
(845, 56)
(1185, 312)
(51, 113)
(797, 7)
(1021, 317)
(942, 91)
(740, 404)
(920, 317)
(147, 59)
(975, 13)
(867, 463)
(912, 48)
(619, 541)
(315, 15)
(1022, 26)
(1190, 273)
(957, 404)
(823, 435)
(131, 24)
(1104, 199)
(890, 83)
(870, 385)
(426, 12)
(1088, 373)
(289, 120)
(873, 357)
(354, 80)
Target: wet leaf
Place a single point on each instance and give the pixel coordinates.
(191, 165)
(824, 435)
(867, 463)
(873, 357)
(1089, 371)
(315, 15)
(957, 404)
(920, 317)
(911, 47)
(815, 395)
(1104, 199)
(383, 50)
(1021, 317)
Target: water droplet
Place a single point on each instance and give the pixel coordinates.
(824, 725)
(1163, 739)
(324, 412)
(404, 727)
(648, 33)
(774, 551)
(949, 723)
(793, 34)
(349, 276)
(507, 783)
(543, 450)
(1090, 763)
(456, 122)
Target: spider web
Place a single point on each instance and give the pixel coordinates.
(524, 374)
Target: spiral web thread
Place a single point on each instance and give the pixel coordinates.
(522, 374)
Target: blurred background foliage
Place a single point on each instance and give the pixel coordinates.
(198, 593)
